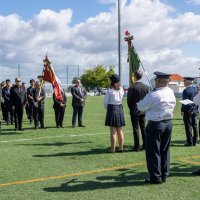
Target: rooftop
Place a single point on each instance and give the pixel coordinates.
(176, 77)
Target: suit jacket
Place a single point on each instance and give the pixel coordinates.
(35, 93)
(6, 95)
(136, 93)
(0, 102)
(77, 95)
(18, 96)
(56, 102)
(189, 93)
(29, 92)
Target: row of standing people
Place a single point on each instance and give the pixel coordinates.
(157, 108)
(15, 98)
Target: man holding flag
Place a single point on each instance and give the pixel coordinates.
(136, 92)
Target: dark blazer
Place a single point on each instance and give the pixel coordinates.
(189, 93)
(35, 93)
(77, 96)
(136, 93)
(18, 98)
(6, 95)
(56, 102)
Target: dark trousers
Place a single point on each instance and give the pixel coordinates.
(38, 116)
(59, 115)
(158, 138)
(190, 121)
(77, 111)
(18, 115)
(30, 110)
(3, 110)
(138, 121)
(9, 114)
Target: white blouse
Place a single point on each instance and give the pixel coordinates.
(113, 97)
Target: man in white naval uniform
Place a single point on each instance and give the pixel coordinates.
(159, 106)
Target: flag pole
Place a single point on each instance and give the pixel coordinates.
(129, 39)
(143, 68)
(119, 37)
(151, 87)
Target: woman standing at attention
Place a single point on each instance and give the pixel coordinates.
(115, 115)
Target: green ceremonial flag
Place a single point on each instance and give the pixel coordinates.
(134, 63)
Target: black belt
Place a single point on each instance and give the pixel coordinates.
(164, 120)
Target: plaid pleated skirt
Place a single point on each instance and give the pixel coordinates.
(115, 116)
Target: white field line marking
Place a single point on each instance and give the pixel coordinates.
(84, 116)
(58, 136)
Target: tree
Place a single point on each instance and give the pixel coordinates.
(74, 80)
(97, 77)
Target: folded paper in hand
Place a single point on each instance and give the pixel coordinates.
(186, 102)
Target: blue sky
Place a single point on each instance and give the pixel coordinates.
(172, 42)
(82, 9)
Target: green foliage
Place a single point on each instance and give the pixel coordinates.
(52, 152)
(97, 77)
(74, 80)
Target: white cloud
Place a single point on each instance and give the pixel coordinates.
(195, 2)
(158, 34)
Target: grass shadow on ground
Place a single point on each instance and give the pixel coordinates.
(56, 144)
(9, 132)
(81, 153)
(128, 178)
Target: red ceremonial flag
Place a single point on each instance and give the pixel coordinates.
(49, 76)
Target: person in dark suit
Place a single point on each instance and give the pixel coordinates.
(30, 100)
(9, 114)
(159, 106)
(79, 96)
(18, 102)
(38, 95)
(59, 108)
(3, 84)
(136, 93)
(189, 112)
(0, 108)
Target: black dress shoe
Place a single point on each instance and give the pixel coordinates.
(135, 149)
(20, 129)
(196, 172)
(81, 125)
(120, 151)
(148, 181)
(164, 179)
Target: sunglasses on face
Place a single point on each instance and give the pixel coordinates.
(18, 81)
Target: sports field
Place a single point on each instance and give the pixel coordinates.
(71, 163)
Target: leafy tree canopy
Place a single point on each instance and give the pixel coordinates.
(97, 77)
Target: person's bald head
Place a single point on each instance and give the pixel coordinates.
(18, 81)
(78, 82)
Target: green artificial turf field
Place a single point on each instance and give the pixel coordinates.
(73, 164)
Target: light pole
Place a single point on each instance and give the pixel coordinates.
(67, 71)
(119, 37)
(19, 71)
(67, 74)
